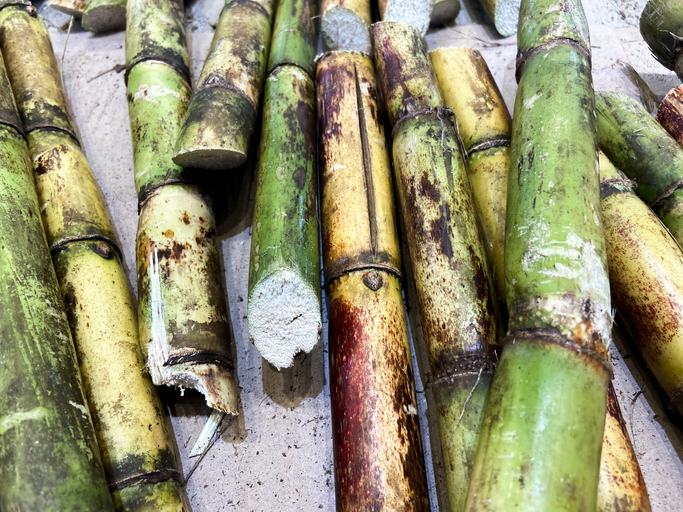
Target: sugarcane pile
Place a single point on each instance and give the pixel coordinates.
(520, 234)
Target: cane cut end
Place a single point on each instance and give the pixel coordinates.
(105, 18)
(284, 317)
(343, 29)
(413, 12)
(506, 17)
(444, 12)
(216, 131)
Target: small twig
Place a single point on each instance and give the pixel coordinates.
(196, 464)
(490, 43)
(633, 406)
(469, 397)
(207, 433)
(68, 33)
(118, 68)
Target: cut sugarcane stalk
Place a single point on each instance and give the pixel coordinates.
(49, 458)
(284, 278)
(544, 418)
(645, 265)
(484, 125)
(104, 16)
(670, 113)
(129, 420)
(444, 12)
(223, 109)
(377, 445)
(70, 7)
(345, 24)
(621, 487)
(504, 14)
(413, 12)
(661, 25)
(644, 151)
(184, 324)
(456, 298)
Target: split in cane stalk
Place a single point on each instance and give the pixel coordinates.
(417, 13)
(129, 421)
(661, 25)
(646, 276)
(345, 24)
(639, 147)
(377, 444)
(284, 274)
(456, 297)
(484, 125)
(184, 325)
(104, 16)
(49, 459)
(222, 112)
(543, 423)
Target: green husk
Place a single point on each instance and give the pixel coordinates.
(155, 31)
(222, 112)
(544, 417)
(284, 246)
(295, 35)
(646, 153)
(661, 25)
(49, 458)
(157, 99)
(104, 16)
(459, 313)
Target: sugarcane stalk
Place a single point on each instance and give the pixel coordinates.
(104, 16)
(49, 458)
(70, 7)
(544, 418)
(645, 276)
(377, 446)
(284, 280)
(670, 113)
(129, 419)
(638, 145)
(413, 12)
(444, 12)
(184, 324)
(456, 298)
(224, 106)
(344, 24)
(661, 25)
(621, 487)
(484, 125)
(504, 14)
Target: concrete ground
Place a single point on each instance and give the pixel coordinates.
(277, 455)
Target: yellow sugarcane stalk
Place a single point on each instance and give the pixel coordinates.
(484, 125)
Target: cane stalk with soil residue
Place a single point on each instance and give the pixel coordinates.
(639, 147)
(377, 444)
(284, 268)
(183, 317)
(137, 451)
(222, 112)
(456, 297)
(49, 459)
(544, 418)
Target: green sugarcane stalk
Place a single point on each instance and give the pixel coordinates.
(222, 112)
(284, 268)
(456, 297)
(661, 25)
(544, 417)
(643, 150)
(86, 256)
(104, 16)
(184, 324)
(49, 458)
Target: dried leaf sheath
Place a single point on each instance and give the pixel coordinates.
(129, 419)
(222, 112)
(644, 151)
(544, 418)
(456, 298)
(45, 417)
(184, 325)
(377, 448)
